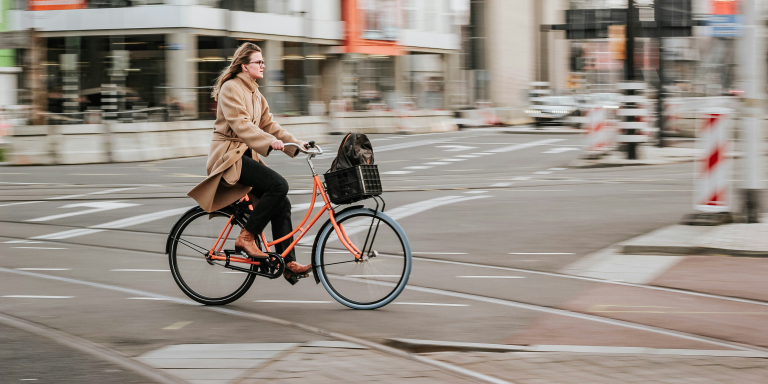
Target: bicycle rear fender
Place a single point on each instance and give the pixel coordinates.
(175, 227)
(314, 245)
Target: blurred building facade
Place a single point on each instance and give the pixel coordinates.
(120, 55)
(508, 45)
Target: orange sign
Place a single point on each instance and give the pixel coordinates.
(725, 7)
(55, 5)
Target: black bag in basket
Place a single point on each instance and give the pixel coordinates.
(354, 150)
(353, 176)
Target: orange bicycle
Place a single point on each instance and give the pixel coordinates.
(360, 255)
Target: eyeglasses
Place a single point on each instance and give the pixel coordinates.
(258, 62)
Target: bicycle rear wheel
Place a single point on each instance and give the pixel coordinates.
(377, 278)
(201, 279)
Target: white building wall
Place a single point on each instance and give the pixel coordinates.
(510, 50)
(559, 52)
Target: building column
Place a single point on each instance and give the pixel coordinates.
(181, 71)
(273, 56)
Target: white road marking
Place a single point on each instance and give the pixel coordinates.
(37, 297)
(21, 242)
(139, 270)
(418, 167)
(21, 203)
(295, 301)
(432, 304)
(67, 234)
(43, 269)
(541, 253)
(455, 148)
(542, 173)
(305, 206)
(412, 144)
(396, 172)
(560, 150)
(524, 145)
(141, 219)
(557, 169)
(147, 298)
(372, 276)
(454, 160)
(438, 253)
(484, 153)
(300, 192)
(476, 192)
(493, 277)
(522, 178)
(36, 248)
(436, 163)
(501, 184)
(98, 206)
(400, 213)
(179, 325)
(92, 193)
(468, 156)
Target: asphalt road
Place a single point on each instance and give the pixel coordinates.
(479, 206)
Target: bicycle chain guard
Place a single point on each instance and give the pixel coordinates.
(270, 267)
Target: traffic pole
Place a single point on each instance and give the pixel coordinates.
(753, 83)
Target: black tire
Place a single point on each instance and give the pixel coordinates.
(378, 279)
(207, 282)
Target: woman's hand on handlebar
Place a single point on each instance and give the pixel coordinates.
(278, 145)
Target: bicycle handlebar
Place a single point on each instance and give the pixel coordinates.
(317, 151)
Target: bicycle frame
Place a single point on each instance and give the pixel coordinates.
(215, 254)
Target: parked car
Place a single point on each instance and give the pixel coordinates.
(552, 110)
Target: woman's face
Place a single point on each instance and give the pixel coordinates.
(255, 67)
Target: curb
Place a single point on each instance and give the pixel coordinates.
(429, 346)
(681, 250)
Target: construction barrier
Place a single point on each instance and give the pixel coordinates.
(712, 189)
(488, 114)
(598, 129)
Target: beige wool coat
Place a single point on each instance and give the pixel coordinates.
(243, 121)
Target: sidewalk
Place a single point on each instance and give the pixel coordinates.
(729, 240)
(647, 155)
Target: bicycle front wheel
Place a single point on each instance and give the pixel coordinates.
(380, 275)
(201, 279)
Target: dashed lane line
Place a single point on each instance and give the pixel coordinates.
(20, 203)
(92, 193)
(524, 146)
(122, 223)
(98, 206)
(43, 269)
(492, 277)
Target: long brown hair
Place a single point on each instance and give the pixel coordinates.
(242, 56)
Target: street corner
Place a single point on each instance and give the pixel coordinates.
(714, 317)
(738, 277)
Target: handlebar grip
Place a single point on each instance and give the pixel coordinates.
(312, 144)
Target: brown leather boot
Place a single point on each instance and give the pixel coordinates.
(293, 270)
(247, 242)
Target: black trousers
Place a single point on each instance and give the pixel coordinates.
(272, 190)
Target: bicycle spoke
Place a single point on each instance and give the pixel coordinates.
(190, 245)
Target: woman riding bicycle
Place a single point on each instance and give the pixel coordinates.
(244, 130)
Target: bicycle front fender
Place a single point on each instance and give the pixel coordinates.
(314, 244)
